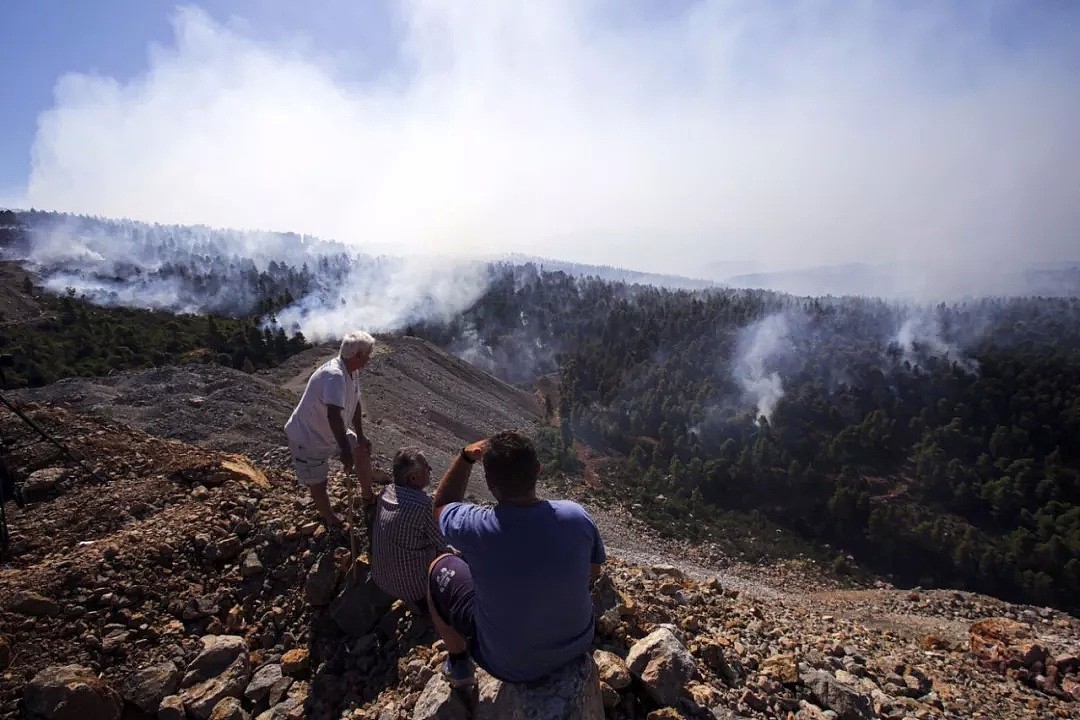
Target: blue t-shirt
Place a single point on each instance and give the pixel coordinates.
(530, 567)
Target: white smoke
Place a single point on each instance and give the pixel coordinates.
(133, 264)
(779, 134)
(389, 295)
(761, 346)
(921, 336)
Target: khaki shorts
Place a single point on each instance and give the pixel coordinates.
(314, 468)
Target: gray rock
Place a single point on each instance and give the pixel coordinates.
(291, 709)
(71, 692)
(663, 665)
(279, 690)
(258, 690)
(172, 708)
(438, 701)
(229, 548)
(30, 603)
(42, 481)
(217, 653)
(572, 693)
(832, 694)
(321, 582)
(200, 700)
(229, 709)
(146, 688)
(251, 565)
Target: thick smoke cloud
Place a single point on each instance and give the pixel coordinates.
(777, 134)
(199, 269)
(388, 295)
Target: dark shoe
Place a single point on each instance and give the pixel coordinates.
(458, 671)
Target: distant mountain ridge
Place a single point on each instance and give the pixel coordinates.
(612, 273)
(1060, 279)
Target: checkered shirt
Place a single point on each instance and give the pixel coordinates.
(405, 540)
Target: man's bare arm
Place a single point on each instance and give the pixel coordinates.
(452, 487)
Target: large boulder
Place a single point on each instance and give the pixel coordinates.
(295, 662)
(438, 701)
(290, 709)
(783, 668)
(229, 709)
(572, 693)
(322, 580)
(201, 699)
(262, 682)
(146, 688)
(41, 482)
(71, 692)
(30, 603)
(171, 708)
(663, 664)
(1001, 643)
(217, 653)
(834, 695)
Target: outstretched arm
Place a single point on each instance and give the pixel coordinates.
(454, 483)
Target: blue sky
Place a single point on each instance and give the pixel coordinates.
(44, 39)
(667, 135)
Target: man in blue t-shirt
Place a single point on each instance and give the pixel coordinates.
(517, 599)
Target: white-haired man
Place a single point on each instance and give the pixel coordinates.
(317, 427)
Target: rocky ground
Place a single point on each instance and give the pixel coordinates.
(185, 582)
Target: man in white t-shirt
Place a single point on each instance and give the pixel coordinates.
(317, 429)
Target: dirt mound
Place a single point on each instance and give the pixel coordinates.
(208, 405)
(413, 394)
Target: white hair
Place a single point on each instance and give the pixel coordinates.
(356, 343)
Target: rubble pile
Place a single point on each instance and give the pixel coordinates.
(187, 584)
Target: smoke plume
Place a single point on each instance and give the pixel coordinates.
(762, 345)
(935, 137)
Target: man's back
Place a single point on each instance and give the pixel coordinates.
(531, 566)
(330, 384)
(405, 540)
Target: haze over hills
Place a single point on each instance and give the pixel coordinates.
(888, 427)
(1060, 279)
(925, 445)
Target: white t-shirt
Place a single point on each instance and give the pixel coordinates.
(330, 384)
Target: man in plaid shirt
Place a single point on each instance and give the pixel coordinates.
(405, 538)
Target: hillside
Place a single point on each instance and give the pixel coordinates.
(413, 394)
(180, 541)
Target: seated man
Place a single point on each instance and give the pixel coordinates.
(405, 537)
(517, 600)
(317, 428)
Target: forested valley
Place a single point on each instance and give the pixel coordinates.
(939, 444)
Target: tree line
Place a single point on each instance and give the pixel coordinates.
(949, 458)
